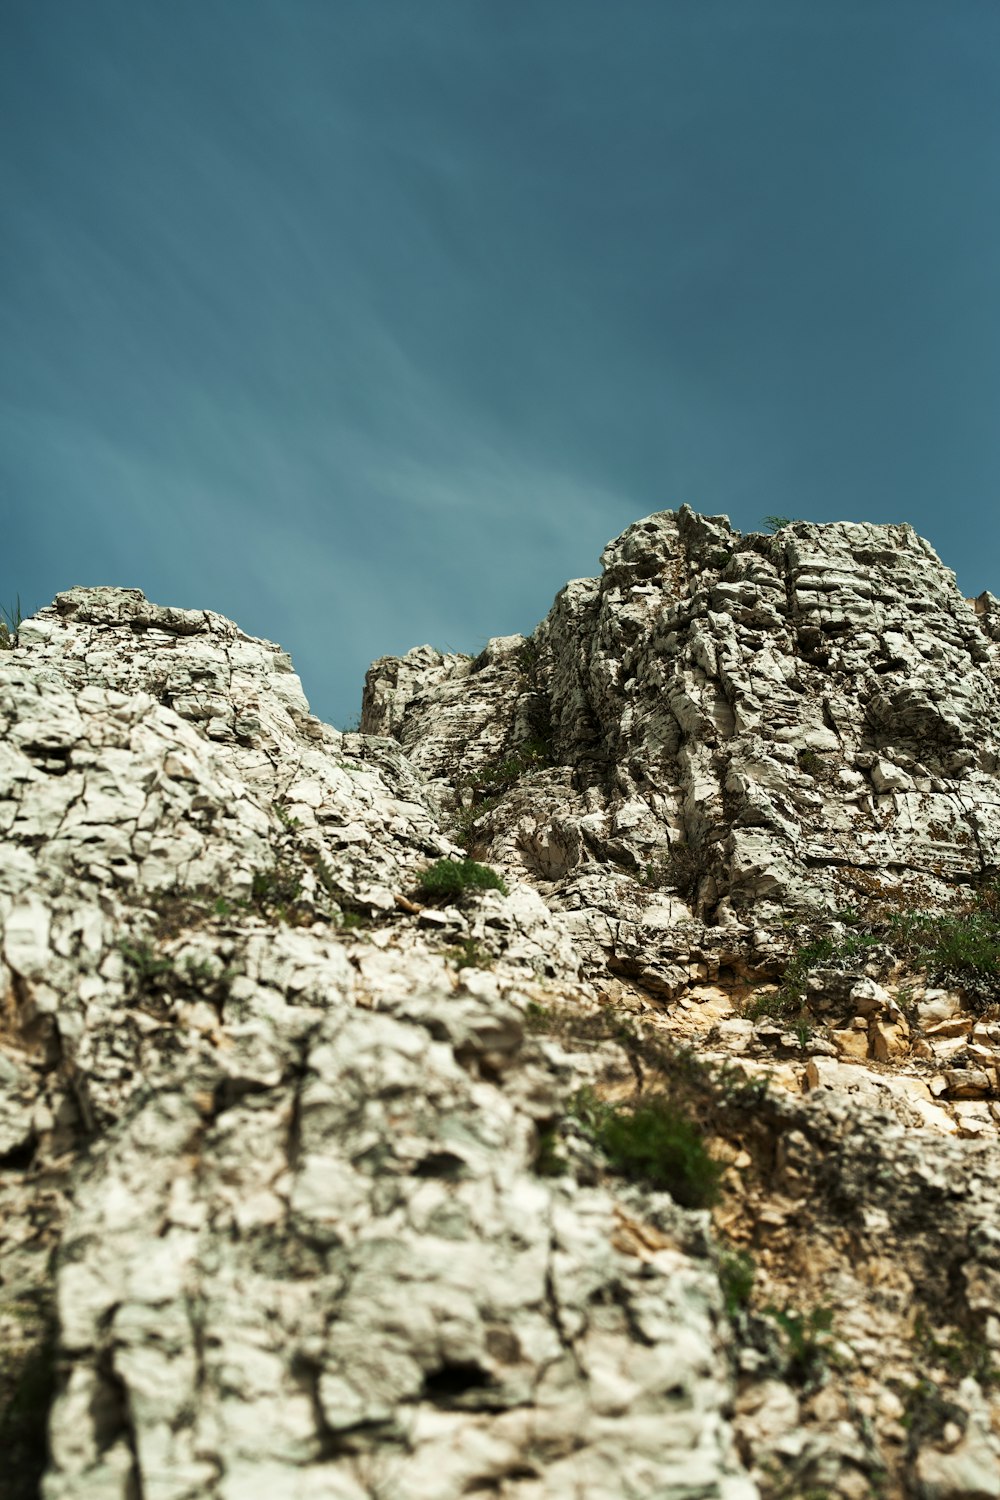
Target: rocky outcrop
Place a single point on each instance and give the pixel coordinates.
(304, 1185)
(764, 712)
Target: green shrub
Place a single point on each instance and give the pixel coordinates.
(771, 524)
(468, 817)
(457, 879)
(654, 1142)
(961, 950)
(284, 816)
(153, 973)
(527, 656)
(488, 786)
(499, 777)
(789, 999)
(819, 767)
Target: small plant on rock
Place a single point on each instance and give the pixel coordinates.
(469, 955)
(527, 655)
(145, 963)
(961, 950)
(468, 817)
(736, 1278)
(276, 893)
(817, 766)
(807, 1338)
(788, 1001)
(499, 777)
(457, 880)
(284, 817)
(654, 1142)
(10, 624)
(771, 524)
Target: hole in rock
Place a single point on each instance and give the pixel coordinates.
(445, 1384)
(19, 1158)
(440, 1164)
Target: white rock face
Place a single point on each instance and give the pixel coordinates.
(294, 1167)
(766, 712)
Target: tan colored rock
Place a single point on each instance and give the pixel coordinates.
(888, 1042)
(968, 1083)
(852, 1043)
(954, 1026)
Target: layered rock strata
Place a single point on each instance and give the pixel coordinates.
(297, 1193)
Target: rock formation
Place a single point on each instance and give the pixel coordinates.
(314, 1184)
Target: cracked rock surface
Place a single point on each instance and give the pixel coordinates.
(298, 1194)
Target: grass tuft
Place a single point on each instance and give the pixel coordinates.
(10, 623)
(457, 879)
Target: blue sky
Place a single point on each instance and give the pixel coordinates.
(369, 322)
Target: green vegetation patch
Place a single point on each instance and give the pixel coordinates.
(468, 817)
(489, 785)
(789, 1002)
(959, 949)
(680, 869)
(156, 975)
(771, 524)
(277, 892)
(962, 950)
(807, 1338)
(820, 767)
(658, 1137)
(499, 777)
(457, 880)
(653, 1141)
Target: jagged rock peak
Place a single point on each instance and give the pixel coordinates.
(778, 714)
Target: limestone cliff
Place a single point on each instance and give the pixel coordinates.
(314, 1185)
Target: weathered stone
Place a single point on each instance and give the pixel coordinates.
(324, 1221)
